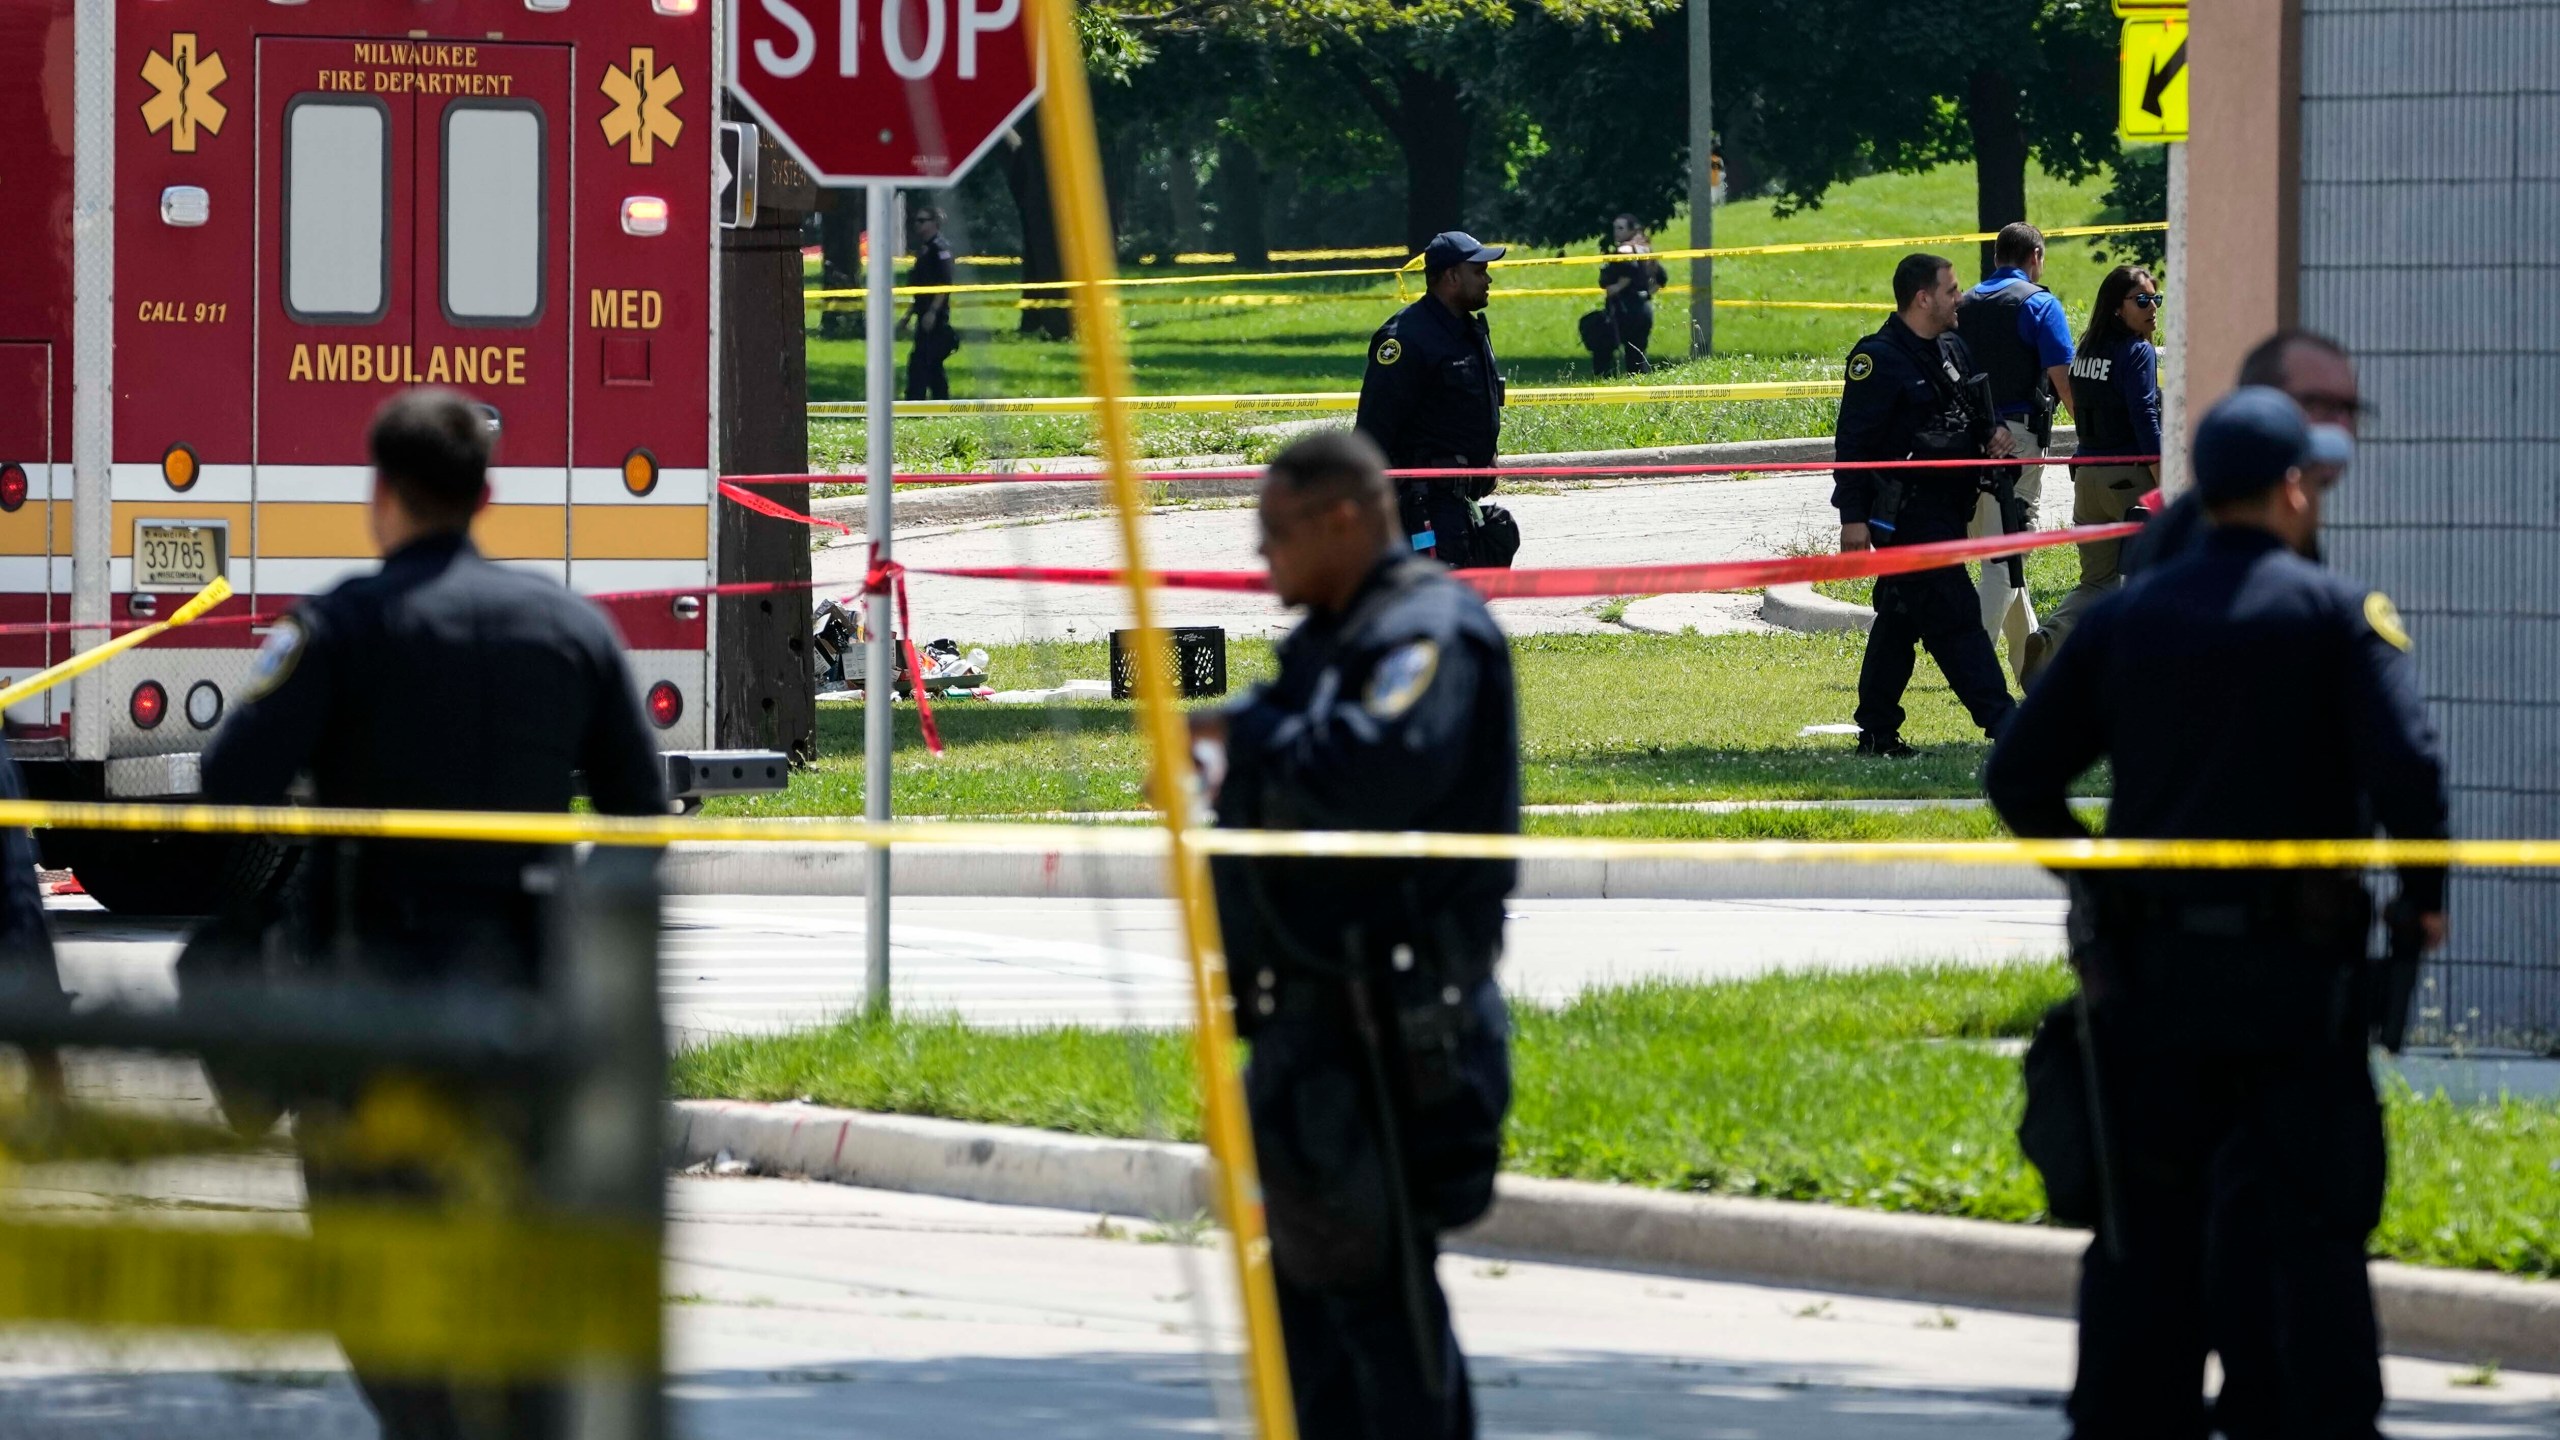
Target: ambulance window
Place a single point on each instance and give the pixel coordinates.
(492, 213)
(337, 186)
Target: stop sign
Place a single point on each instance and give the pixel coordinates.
(883, 91)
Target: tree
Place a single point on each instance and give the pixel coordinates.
(1422, 70)
(1601, 109)
(1822, 91)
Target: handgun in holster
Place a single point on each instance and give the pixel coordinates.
(2393, 979)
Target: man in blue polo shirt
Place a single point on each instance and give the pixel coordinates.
(2020, 337)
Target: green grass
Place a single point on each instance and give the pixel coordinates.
(1633, 718)
(1201, 348)
(1853, 1089)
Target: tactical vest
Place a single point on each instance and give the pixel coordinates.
(1989, 324)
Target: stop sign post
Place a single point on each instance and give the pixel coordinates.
(881, 94)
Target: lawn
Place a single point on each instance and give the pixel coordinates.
(1868, 1089)
(1628, 718)
(1311, 335)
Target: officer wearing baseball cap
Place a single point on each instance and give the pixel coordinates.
(1431, 400)
(2238, 691)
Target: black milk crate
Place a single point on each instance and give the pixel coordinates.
(1199, 661)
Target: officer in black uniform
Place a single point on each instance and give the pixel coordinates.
(2240, 691)
(930, 316)
(440, 682)
(28, 973)
(1380, 1070)
(1431, 398)
(1904, 399)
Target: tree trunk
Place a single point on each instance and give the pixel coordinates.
(1026, 177)
(1182, 194)
(1121, 154)
(840, 262)
(1432, 126)
(1243, 224)
(1999, 153)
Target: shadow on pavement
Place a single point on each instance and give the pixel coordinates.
(1576, 1396)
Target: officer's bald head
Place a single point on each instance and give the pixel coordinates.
(1328, 513)
(1334, 465)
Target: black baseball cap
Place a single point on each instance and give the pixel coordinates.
(2252, 437)
(1457, 247)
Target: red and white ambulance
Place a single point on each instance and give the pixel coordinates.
(230, 228)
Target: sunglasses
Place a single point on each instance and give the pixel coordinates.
(2149, 302)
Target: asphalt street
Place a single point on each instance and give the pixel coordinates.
(1618, 524)
(734, 964)
(809, 1310)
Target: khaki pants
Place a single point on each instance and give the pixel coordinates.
(2006, 613)
(2100, 495)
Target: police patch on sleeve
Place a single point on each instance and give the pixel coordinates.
(1390, 350)
(1401, 679)
(1861, 365)
(2384, 617)
(276, 658)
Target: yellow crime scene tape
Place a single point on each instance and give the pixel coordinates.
(1377, 297)
(649, 831)
(90, 659)
(1344, 399)
(405, 1292)
(1217, 257)
(1714, 252)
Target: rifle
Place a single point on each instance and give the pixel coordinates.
(2395, 975)
(2000, 481)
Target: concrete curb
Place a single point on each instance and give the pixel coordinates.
(1801, 607)
(744, 869)
(2456, 1315)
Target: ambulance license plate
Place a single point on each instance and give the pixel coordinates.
(177, 556)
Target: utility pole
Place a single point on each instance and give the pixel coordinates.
(1702, 185)
(2173, 367)
(879, 669)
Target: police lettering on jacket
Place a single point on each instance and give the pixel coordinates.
(1431, 395)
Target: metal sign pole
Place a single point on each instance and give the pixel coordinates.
(879, 682)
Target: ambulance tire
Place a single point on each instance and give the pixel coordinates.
(177, 875)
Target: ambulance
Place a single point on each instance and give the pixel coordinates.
(232, 228)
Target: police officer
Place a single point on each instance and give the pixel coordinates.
(28, 973)
(1627, 287)
(2240, 691)
(1380, 1070)
(930, 316)
(1432, 400)
(2115, 393)
(1905, 399)
(2021, 338)
(2321, 377)
(440, 682)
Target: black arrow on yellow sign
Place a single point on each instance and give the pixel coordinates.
(2161, 76)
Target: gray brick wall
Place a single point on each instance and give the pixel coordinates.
(2431, 246)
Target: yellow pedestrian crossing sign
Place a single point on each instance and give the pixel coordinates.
(2151, 84)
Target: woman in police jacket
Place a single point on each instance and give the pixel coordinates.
(2115, 400)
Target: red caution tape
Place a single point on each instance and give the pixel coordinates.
(1596, 580)
(763, 505)
(884, 574)
(1514, 472)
